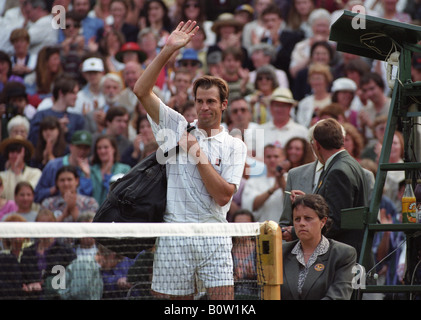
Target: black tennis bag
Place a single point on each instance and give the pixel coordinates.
(139, 196)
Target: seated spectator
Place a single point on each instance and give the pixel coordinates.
(140, 276)
(11, 281)
(319, 21)
(282, 39)
(143, 140)
(244, 260)
(282, 127)
(130, 51)
(320, 78)
(332, 110)
(83, 277)
(157, 18)
(228, 33)
(6, 71)
(354, 141)
(320, 52)
(64, 96)
(51, 143)
(72, 45)
(18, 153)
(188, 110)
(110, 87)
(109, 45)
(263, 54)
(47, 71)
(105, 164)
(298, 152)
(16, 102)
(263, 195)
(179, 89)
(90, 97)
(298, 14)
(17, 126)
(23, 63)
(90, 25)
(40, 24)
(24, 200)
(114, 269)
(195, 10)
(6, 206)
(39, 259)
(253, 31)
(127, 98)
(80, 148)
(233, 73)
(69, 204)
(15, 246)
(264, 85)
(116, 125)
(343, 92)
(119, 10)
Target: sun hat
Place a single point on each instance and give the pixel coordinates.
(344, 84)
(226, 19)
(17, 140)
(189, 54)
(131, 47)
(283, 95)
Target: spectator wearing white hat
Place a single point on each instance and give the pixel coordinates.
(343, 92)
(90, 96)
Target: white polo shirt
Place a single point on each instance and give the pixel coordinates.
(187, 197)
(273, 134)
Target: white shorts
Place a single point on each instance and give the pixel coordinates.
(179, 260)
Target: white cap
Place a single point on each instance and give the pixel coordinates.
(344, 84)
(93, 64)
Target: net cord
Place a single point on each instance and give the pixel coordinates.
(125, 230)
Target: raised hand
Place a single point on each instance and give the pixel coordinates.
(182, 35)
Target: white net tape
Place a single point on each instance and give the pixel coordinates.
(138, 230)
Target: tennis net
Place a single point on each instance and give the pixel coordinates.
(93, 261)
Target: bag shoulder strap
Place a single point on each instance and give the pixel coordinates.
(176, 149)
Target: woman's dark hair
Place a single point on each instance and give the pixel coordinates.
(71, 169)
(17, 147)
(95, 159)
(202, 15)
(22, 184)
(59, 148)
(166, 20)
(243, 212)
(318, 204)
(324, 44)
(5, 58)
(308, 155)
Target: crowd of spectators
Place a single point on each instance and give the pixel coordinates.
(70, 121)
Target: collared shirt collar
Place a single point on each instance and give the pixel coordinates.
(321, 248)
(218, 137)
(329, 160)
(319, 166)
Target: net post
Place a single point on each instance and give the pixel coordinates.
(270, 260)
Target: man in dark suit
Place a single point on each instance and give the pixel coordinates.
(342, 183)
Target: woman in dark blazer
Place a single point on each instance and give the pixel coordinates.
(315, 267)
